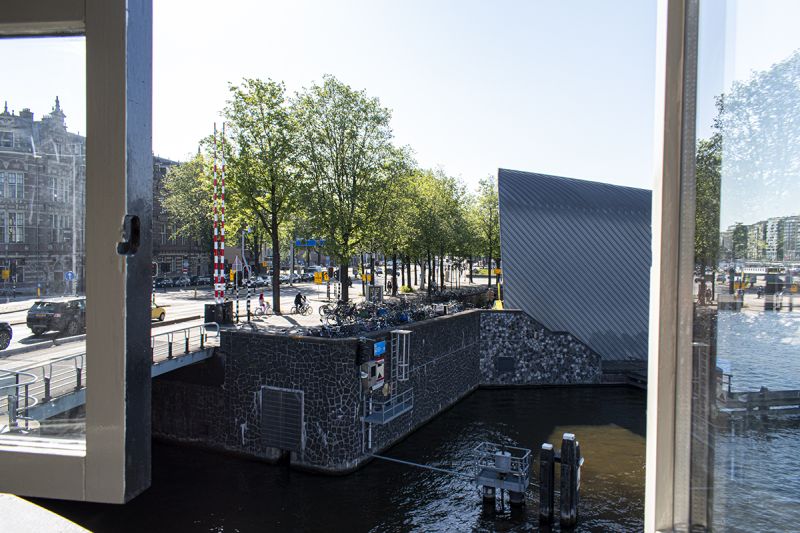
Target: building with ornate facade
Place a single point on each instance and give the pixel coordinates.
(42, 208)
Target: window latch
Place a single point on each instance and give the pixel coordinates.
(131, 235)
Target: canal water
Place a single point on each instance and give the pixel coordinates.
(194, 490)
(756, 461)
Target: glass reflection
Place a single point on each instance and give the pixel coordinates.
(746, 375)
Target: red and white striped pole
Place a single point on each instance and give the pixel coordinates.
(219, 282)
(222, 220)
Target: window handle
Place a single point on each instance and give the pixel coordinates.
(131, 233)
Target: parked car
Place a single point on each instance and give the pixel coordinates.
(181, 281)
(66, 317)
(163, 283)
(260, 282)
(157, 312)
(5, 335)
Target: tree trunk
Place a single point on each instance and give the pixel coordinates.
(430, 272)
(402, 275)
(343, 275)
(363, 283)
(489, 260)
(394, 274)
(416, 276)
(470, 269)
(276, 265)
(441, 269)
(372, 275)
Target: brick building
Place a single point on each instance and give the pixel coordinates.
(42, 207)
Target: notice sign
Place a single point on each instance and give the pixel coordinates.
(318, 278)
(379, 373)
(380, 348)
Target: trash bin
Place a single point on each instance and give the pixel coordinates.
(227, 313)
(212, 313)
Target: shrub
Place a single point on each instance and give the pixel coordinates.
(406, 288)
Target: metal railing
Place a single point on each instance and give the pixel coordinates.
(23, 389)
(183, 341)
(383, 412)
(518, 459)
(14, 411)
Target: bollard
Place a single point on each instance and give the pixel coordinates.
(169, 349)
(547, 472)
(202, 340)
(186, 350)
(46, 389)
(569, 481)
(488, 495)
(12, 410)
(236, 292)
(78, 378)
(248, 303)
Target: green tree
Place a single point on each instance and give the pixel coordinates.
(187, 199)
(344, 148)
(708, 170)
(487, 214)
(260, 175)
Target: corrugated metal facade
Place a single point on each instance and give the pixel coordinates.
(576, 257)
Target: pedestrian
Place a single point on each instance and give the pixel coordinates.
(388, 285)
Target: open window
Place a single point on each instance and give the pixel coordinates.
(76, 420)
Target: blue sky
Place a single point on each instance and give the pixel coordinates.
(561, 87)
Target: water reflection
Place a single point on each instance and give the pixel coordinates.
(199, 491)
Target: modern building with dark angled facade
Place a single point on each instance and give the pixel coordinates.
(576, 258)
(42, 207)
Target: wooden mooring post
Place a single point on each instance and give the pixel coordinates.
(547, 475)
(571, 462)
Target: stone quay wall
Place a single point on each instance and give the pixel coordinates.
(216, 403)
(517, 350)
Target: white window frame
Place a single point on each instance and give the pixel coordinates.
(667, 486)
(115, 464)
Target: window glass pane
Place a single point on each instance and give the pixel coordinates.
(746, 374)
(42, 159)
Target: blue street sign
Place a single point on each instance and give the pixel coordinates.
(380, 348)
(309, 242)
(69, 275)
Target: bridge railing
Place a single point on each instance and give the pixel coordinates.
(15, 389)
(25, 388)
(183, 341)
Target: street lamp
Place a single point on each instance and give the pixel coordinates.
(244, 260)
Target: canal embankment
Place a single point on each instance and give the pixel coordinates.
(328, 404)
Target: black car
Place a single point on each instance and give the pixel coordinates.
(66, 317)
(5, 335)
(163, 283)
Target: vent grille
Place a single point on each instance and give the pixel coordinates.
(282, 418)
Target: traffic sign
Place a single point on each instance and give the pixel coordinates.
(309, 242)
(237, 265)
(69, 275)
(318, 278)
(6, 274)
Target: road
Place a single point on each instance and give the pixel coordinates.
(184, 307)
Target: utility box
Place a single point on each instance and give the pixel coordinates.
(219, 313)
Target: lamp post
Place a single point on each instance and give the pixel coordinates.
(244, 260)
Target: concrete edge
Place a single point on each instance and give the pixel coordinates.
(22, 516)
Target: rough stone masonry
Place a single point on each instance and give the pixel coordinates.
(217, 404)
